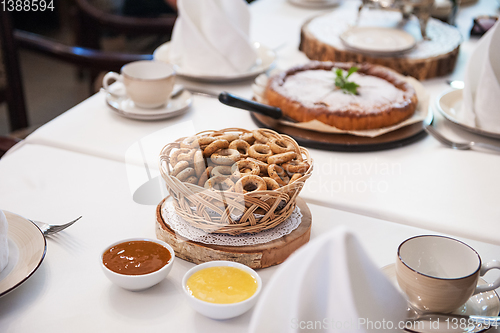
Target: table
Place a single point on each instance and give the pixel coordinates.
(423, 184)
(90, 161)
(69, 293)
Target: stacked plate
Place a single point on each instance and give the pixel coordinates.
(265, 61)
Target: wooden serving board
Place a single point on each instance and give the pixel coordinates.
(432, 58)
(347, 142)
(255, 256)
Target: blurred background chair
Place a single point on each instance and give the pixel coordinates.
(90, 24)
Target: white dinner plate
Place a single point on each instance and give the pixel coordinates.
(265, 60)
(315, 4)
(378, 40)
(27, 247)
(450, 104)
(125, 107)
(482, 304)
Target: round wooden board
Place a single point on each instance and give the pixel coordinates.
(440, 60)
(346, 142)
(255, 256)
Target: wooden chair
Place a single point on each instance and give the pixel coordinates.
(91, 21)
(12, 92)
(83, 56)
(6, 143)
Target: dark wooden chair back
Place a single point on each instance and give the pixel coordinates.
(13, 92)
(84, 55)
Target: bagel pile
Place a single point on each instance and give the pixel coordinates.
(246, 162)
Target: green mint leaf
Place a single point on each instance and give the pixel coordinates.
(342, 83)
(339, 82)
(351, 87)
(351, 70)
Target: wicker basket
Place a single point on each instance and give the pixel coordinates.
(230, 212)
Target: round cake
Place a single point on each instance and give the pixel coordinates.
(308, 92)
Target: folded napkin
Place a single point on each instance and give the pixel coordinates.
(329, 285)
(211, 37)
(4, 247)
(482, 84)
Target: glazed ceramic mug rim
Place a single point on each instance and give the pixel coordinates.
(436, 277)
(122, 71)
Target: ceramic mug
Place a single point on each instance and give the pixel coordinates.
(439, 274)
(148, 84)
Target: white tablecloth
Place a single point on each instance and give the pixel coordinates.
(89, 162)
(69, 293)
(423, 184)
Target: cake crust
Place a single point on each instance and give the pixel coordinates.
(378, 116)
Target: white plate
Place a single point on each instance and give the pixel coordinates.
(315, 4)
(265, 60)
(27, 247)
(450, 103)
(378, 40)
(483, 304)
(126, 108)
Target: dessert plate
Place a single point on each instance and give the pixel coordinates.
(450, 103)
(27, 248)
(124, 106)
(265, 60)
(483, 304)
(316, 4)
(378, 40)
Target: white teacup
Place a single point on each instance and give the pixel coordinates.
(439, 274)
(147, 83)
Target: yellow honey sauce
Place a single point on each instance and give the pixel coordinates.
(222, 285)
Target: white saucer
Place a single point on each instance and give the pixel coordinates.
(378, 40)
(126, 108)
(483, 304)
(265, 60)
(450, 103)
(315, 4)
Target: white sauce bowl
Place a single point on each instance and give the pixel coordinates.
(221, 311)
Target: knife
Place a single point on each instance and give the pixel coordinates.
(238, 102)
(245, 104)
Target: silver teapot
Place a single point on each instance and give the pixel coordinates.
(420, 8)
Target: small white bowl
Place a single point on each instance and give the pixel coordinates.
(143, 281)
(221, 311)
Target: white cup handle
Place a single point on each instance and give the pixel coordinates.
(495, 284)
(111, 76)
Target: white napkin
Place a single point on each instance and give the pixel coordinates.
(211, 37)
(482, 84)
(4, 246)
(329, 285)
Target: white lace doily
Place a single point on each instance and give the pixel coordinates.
(184, 229)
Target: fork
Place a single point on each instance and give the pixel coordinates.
(49, 229)
(480, 146)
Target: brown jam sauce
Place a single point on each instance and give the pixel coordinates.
(136, 257)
